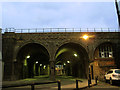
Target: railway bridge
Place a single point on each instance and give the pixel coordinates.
(77, 54)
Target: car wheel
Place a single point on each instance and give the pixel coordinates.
(111, 81)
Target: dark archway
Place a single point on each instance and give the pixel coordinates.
(32, 60)
(72, 60)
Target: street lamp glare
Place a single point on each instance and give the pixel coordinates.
(40, 64)
(28, 56)
(68, 61)
(85, 37)
(64, 64)
(36, 62)
(75, 55)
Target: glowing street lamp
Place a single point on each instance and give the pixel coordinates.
(64, 64)
(89, 78)
(44, 67)
(118, 12)
(85, 37)
(28, 56)
(68, 61)
(36, 62)
(40, 64)
(75, 55)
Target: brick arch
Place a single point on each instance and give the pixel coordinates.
(101, 43)
(101, 65)
(82, 54)
(19, 64)
(19, 46)
(71, 41)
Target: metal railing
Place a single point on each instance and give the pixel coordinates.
(33, 85)
(77, 83)
(42, 30)
(89, 83)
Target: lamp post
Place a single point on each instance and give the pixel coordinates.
(117, 8)
(86, 37)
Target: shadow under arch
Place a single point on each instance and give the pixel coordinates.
(72, 60)
(32, 60)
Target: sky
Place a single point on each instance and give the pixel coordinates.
(59, 15)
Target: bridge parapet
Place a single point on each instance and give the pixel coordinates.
(43, 30)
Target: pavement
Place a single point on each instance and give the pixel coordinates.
(67, 83)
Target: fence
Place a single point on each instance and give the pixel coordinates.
(33, 85)
(59, 84)
(89, 83)
(42, 30)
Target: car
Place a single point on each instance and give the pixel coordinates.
(113, 75)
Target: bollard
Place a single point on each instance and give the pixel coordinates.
(59, 85)
(96, 79)
(89, 83)
(89, 78)
(32, 87)
(76, 84)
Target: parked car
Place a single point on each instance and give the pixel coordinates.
(113, 75)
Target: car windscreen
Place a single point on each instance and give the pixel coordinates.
(117, 71)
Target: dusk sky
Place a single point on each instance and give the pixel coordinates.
(59, 15)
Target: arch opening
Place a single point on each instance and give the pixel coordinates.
(32, 60)
(104, 58)
(72, 60)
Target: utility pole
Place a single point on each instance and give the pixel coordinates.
(118, 14)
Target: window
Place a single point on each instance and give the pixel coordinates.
(117, 71)
(105, 51)
(110, 72)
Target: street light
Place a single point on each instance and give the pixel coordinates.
(86, 37)
(64, 64)
(40, 64)
(28, 56)
(118, 12)
(75, 55)
(68, 61)
(36, 62)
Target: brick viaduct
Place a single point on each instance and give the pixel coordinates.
(13, 42)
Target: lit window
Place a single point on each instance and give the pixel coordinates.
(105, 51)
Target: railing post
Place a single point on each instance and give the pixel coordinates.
(36, 30)
(32, 87)
(50, 29)
(101, 30)
(21, 30)
(43, 30)
(87, 30)
(76, 84)
(65, 29)
(73, 29)
(108, 30)
(94, 29)
(59, 85)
